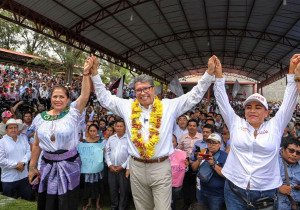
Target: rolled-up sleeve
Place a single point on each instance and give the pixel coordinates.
(111, 102)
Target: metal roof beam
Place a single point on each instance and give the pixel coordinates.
(226, 24)
(275, 77)
(213, 32)
(206, 54)
(190, 30)
(207, 25)
(105, 12)
(275, 43)
(155, 34)
(173, 32)
(279, 4)
(245, 29)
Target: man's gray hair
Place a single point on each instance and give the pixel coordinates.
(144, 78)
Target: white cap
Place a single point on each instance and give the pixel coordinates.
(256, 97)
(214, 137)
(12, 121)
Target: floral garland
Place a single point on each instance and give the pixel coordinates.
(146, 150)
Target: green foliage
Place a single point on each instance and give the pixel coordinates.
(9, 33)
(112, 72)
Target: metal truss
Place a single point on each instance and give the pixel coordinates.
(238, 33)
(230, 54)
(106, 12)
(275, 77)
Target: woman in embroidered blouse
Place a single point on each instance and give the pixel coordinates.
(56, 134)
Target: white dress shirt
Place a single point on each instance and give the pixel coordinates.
(172, 108)
(116, 151)
(178, 132)
(12, 152)
(255, 160)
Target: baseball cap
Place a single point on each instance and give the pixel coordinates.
(256, 97)
(214, 137)
(6, 114)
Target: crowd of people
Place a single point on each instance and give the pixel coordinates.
(65, 145)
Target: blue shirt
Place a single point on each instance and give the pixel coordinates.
(215, 186)
(294, 175)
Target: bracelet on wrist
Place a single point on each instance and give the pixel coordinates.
(86, 74)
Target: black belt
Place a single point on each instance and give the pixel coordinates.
(156, 160)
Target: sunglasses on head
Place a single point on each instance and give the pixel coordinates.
(292, 151)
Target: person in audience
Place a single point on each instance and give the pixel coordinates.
(117, 159)
(180, 127)
(179, 165)
(212, 188)
(289, 191)
(93, 185)
(14, 157)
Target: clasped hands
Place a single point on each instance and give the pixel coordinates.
(215, 66)
(90, 66)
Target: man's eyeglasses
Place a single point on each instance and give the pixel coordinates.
(145, 90)
(292, 151)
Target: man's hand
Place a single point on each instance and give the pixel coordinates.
(118, 169)
(211, 65)
(95, 66)
(211, 161)
(297, 70)
(218, 69)
(127, 173)
(20, 166)
(285, 189)
(112, 168)
(294, 61)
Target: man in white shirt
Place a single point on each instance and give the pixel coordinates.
(149, 122)
(180, 127)
(14, 156)
(252, 167)
(44, 96)
(117, 158)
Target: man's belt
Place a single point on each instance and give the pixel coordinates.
(156, 160)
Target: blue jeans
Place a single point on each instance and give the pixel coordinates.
(198, 196)
(235, 202)
(212, 202)
(18, 188)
